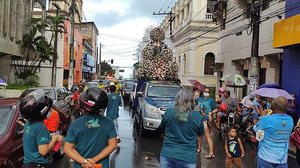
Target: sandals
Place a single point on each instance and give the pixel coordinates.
(209, 156)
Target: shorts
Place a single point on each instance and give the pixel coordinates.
(166, 162)
(265, 164)
(34, 165)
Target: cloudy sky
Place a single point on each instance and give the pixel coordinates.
(122, 24)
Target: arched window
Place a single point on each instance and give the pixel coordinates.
(209, 64)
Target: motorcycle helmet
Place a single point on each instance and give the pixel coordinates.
(223, 107)
(35, 105)
(93, 100)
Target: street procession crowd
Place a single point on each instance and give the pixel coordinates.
(93, 134)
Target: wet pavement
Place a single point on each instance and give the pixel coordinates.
(143, 152)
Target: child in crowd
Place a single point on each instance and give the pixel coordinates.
(234, 149)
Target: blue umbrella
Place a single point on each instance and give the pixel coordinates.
(2, 83)
(270, 85)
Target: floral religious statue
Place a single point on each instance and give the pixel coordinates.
(157, 60)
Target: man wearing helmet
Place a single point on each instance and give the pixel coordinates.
(92, 137)
(37, 143)
(75, 100)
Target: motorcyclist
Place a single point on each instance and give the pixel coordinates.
(92, 137)
(37, 142)
(75, 101)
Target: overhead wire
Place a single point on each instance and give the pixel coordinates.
(249, 25)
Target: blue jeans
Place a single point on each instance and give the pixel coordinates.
(264, 164)
(166, 162)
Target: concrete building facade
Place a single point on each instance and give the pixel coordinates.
(14, 19)
(194, 52)
(89, 32)
(235, 41)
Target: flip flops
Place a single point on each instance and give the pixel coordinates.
(209, 156)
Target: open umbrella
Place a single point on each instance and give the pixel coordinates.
(196, 84)
(272, 93)
(2, 83)
(270, 85)
(235, 80)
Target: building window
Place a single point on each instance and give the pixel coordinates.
(209, 64)
(266, 4)
(179, 64)
(187, 10)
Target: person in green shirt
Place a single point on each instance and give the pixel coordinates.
(37, 142)
(92, 137)
(182, 125)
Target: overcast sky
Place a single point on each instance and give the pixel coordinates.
(121, 25)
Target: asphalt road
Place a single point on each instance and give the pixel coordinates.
(143, 152)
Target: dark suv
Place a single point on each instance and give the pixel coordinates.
(11, 134)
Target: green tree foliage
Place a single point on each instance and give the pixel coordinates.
(37, 50)
(106, 69)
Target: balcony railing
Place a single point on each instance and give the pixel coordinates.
(209, 16)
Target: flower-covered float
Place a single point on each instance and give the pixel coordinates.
(157, 63)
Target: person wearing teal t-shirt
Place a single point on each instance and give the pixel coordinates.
(207, 106)
(112, 112)
(182, 125)
(37, 142)
(92, 137)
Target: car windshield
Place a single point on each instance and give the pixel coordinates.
(50, 93)
(6, 115)
(163, 91)
(92, 84)
(129, 86)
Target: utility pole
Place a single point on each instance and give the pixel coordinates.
(71, 64)
(100, 55)
(172, 17)
(255, 22)
(54, 64)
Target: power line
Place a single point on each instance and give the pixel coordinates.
(247, 26)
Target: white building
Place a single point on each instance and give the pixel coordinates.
(192, 46)
(235, 41)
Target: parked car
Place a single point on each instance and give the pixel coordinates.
(61, 103)
(153, 100)
(11, 134)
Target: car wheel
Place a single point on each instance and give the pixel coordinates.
(142, 130)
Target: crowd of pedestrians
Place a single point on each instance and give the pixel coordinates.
(272, 129)
(93, 135)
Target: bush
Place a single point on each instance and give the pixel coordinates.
(21, 84)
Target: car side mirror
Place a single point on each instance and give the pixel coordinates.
(140, 94)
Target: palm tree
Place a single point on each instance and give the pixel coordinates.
(57, 26)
